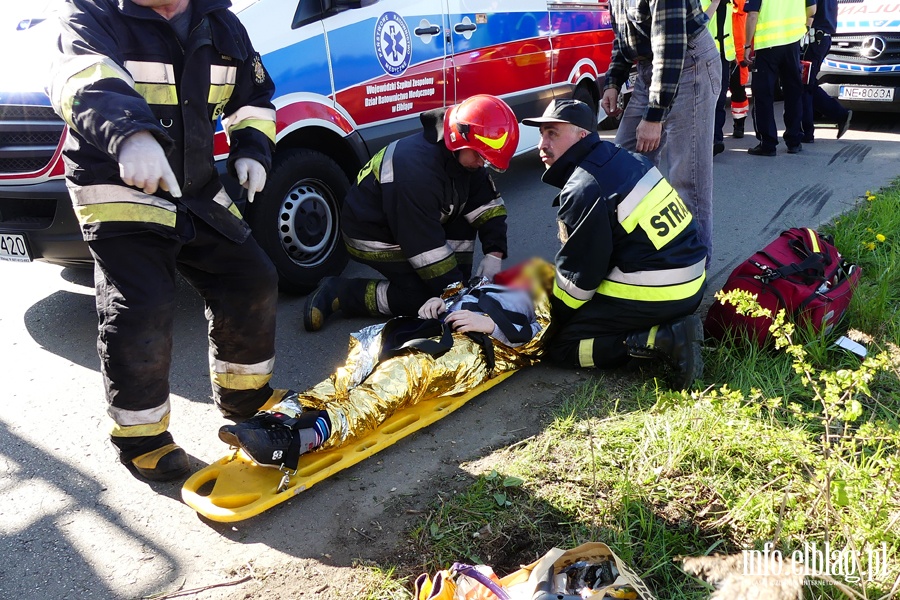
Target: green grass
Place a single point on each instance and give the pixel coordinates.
(732, 465)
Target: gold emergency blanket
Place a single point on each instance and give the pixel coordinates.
(360, 395)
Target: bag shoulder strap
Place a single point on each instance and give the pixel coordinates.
(470, 571)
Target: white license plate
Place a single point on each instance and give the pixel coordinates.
(13, 247)
(877, 94)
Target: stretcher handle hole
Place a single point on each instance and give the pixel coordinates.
(206, 488)
(365, 445)
(321, 463)
(399, 424)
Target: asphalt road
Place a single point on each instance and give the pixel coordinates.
(75, 524)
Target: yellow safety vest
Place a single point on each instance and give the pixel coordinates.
(780, 22)
(728, 36)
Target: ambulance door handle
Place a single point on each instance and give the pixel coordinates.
(430, 30)
(464, 27)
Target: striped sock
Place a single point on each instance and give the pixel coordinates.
(313, 437)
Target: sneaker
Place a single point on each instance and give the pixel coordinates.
(273, 439)
(163, 464)
(759, 150)
(322, 303)
(737, 131)
(844, 125)
(795, 149)
(266, 438)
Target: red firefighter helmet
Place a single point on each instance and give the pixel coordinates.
(485, 124)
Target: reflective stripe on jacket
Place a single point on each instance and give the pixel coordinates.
(780, 22)
(122, 69)
(627, 234)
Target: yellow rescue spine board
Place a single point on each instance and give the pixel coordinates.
(241, 489)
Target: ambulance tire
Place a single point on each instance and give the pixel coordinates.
(296, 220)
(583, 94)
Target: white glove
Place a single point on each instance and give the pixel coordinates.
(251, 174)
(490, 265)
(143, 164)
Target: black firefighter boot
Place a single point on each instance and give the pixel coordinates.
(322, 303)
(678, 343)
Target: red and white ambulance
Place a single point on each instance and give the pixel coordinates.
(350, 77)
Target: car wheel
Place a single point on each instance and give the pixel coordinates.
(296, 219)
(583, 94)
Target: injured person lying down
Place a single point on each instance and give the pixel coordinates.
(473, 333)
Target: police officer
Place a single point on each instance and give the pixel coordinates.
(141, 84)
(631, 269)
(774, 31)
(415, 211)
(815, 99)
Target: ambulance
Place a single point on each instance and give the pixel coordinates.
(862, 69)
(350, 77)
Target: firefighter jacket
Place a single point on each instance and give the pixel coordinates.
(122, 70)
(414, 202)
(626, 232)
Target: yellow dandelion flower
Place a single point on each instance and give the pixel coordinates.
(880, 237)
(870, 246)
(870, 198)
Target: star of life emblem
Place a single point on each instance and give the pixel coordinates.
(393, 44)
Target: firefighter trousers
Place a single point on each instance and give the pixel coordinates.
(402, 293)
(135, 279)
(595, 334)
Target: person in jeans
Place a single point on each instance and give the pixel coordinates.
(671, 115)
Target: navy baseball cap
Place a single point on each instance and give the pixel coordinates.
(574, 112)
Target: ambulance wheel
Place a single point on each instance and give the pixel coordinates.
(583, 94)
(296, 219)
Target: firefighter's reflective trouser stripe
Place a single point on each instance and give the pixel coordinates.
(402, 293)
(135, 279)
(595, 335)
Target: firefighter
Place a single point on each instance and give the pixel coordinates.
(631, 269)
(141, 84)
(415, 211)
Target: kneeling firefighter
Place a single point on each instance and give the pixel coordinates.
(416, 208)
(631, 269)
